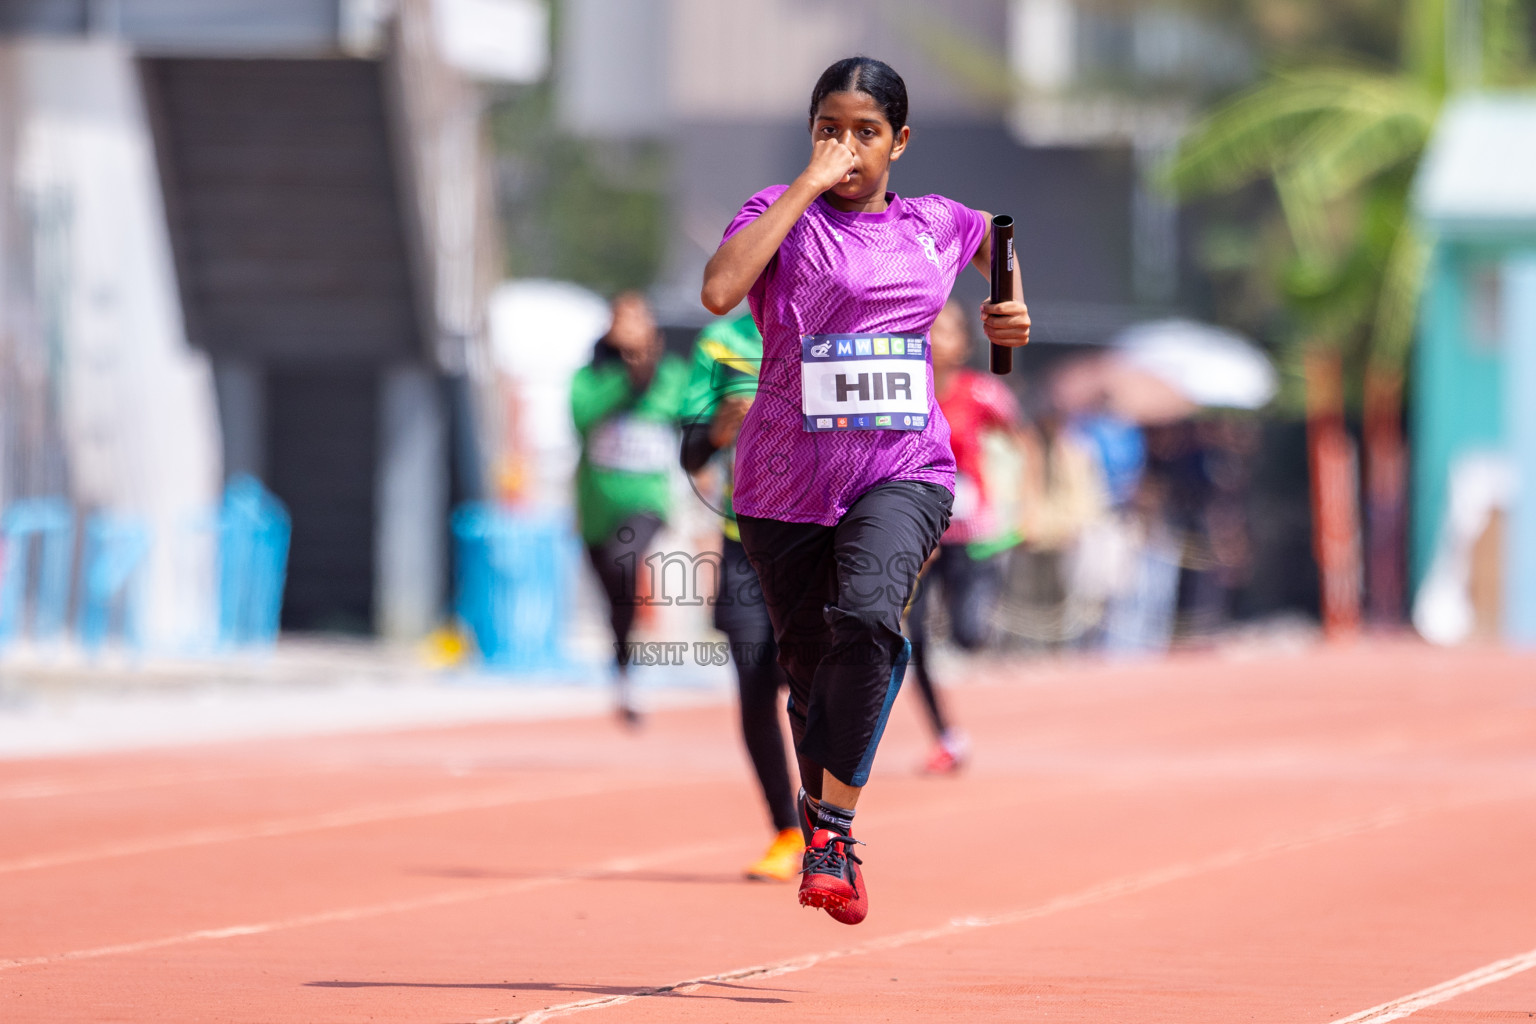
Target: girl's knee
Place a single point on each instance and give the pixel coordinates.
(864, 623)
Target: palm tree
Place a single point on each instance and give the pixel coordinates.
(1340, 143)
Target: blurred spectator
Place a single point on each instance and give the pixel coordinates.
(1121, 450)
(1229, 444)
(1062, 496)
(1203, 471)
(625, 404)
(1104, 568)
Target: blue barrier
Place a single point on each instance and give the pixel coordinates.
(52, 523)
(254, 531)
(512, 585)
(112, 575)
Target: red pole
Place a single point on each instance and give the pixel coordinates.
(1335, 500)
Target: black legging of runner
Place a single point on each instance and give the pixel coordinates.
(968, 586)
(616, 561)
(917, 635)
(835, 595)
(742, 617)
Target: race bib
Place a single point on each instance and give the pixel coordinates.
(633, 445)
(864, 381)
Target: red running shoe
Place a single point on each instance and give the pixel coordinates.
(807, 819)
(950, 754)
(830, 878)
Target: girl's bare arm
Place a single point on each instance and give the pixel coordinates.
(741, 259)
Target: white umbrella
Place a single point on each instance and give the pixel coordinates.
(1207, 365)
(541, 333)
(543, 330)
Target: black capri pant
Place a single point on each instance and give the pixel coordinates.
(835, 595)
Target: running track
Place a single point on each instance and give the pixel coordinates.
(1332, 835)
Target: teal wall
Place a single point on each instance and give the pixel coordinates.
(1458, 402)
(1520, 386)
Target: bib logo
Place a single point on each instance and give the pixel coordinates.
(929, 249)
(819, 351)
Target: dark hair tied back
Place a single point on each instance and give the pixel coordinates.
(867, 75)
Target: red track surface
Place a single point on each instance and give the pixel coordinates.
(1292, 839)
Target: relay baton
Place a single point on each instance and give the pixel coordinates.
(1002, 282)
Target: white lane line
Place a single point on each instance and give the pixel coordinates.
(616, 866)
(1104, 892)
(363, 815)
(1411, 1004)
(623, 865)
(610, 867)
(41, 789)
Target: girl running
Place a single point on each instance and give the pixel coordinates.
(844, 476)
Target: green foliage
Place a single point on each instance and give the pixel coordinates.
(1325, 129)
(1510, 28)
(1339, 142)
(588, 211)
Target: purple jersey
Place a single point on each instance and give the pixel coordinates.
(857, 273)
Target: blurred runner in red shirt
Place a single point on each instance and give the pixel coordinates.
(973, 403)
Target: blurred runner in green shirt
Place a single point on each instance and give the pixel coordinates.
(625, 405)
(721, 388)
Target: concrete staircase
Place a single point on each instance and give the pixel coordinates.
(287, 220)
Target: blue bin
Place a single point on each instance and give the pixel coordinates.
(52, 523)
(254, 532)
(112, 568)
(512, 585)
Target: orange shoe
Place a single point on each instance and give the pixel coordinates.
(782, 861)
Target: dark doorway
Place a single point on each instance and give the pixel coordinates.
(322, 441)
